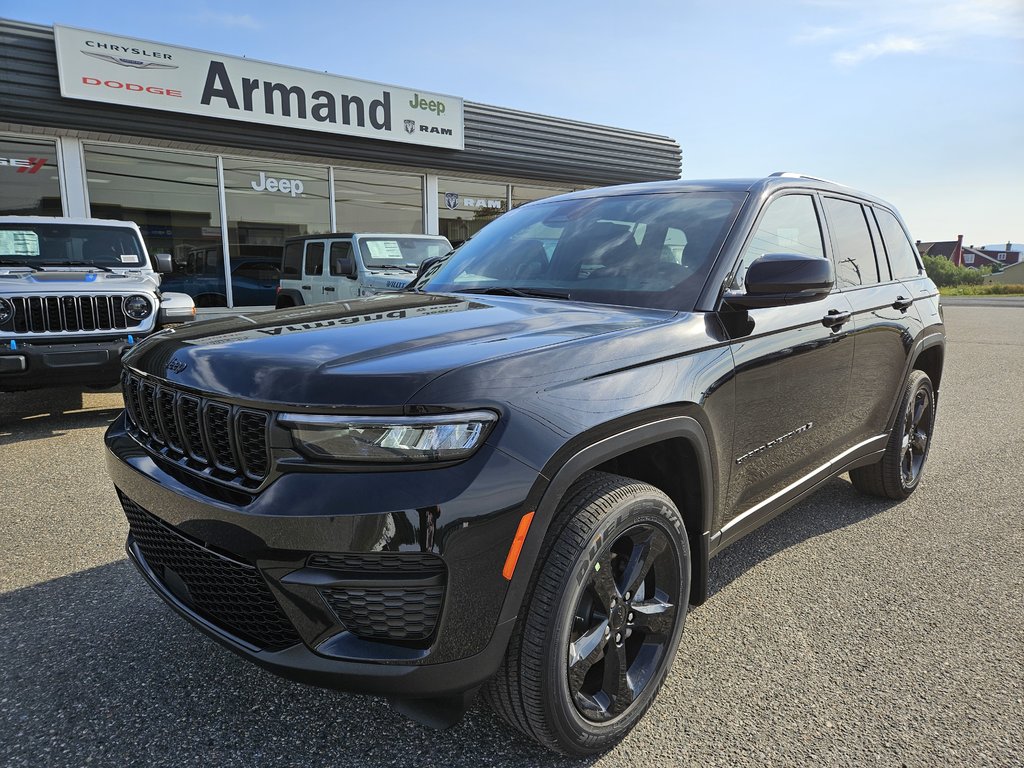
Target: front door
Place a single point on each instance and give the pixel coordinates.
(792, 373)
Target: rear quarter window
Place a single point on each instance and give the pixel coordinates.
(902, 253)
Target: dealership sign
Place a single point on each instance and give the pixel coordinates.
(136, 73)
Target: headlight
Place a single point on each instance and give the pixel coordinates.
(137, 307)
(6, 311)
(389, 439)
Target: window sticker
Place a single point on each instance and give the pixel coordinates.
(17, 243)
(384, 249)
(129, 258)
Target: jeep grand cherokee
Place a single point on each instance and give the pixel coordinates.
(512, 477)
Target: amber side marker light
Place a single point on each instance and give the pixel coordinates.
(517, 546)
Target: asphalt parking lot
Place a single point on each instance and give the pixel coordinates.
(848, 631)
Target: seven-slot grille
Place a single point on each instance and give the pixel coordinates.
(221, 441)
(227, 592)
(62, 314)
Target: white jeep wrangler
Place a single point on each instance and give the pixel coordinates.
(74, 295)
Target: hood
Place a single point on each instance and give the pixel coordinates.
(75, 281)
(387, 279)
(375, 352)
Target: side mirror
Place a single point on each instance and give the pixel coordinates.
(780, 279)
(345, 267)
(163, 263)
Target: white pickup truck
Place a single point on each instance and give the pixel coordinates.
(346, 265)
(74, 295)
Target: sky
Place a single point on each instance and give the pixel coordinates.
(916, 101)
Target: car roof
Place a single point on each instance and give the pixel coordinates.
(325, 236)
(754, 186)
(67, 220)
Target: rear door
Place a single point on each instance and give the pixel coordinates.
(314, 277)
(792, 371)
(884, 313)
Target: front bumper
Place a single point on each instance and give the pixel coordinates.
(277, 543)
(32, 364)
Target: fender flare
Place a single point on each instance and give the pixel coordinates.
(685, 427)
(923, 342)
(291, 293)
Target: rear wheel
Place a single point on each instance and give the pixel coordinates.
(898, 473)
(602, 623)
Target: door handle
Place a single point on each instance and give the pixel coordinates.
(306, 287)
(834, 319)
(902, 303)
(328, 289)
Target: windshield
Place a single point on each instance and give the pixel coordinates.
(399, 252)
(56, 245)
(642, 250)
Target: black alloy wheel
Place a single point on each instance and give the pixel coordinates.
(897, 474)
(623, 622)
(916, 435)
(602, 618)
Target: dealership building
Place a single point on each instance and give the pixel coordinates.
(218, 159)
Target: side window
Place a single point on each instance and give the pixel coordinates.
(789, 225)
(292, 262)
(341, 255)
(314, 259)
(851, 244)
(902, 254)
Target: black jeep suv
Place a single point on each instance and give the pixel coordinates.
(513, 475)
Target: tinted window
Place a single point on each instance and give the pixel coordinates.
(341, 253)
(902, 254)
(292, 260)
(314, 259)
(609, 250)
(789, 225)
(851, 244)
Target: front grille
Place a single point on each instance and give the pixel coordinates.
(393, 596)
(226, 592)
(224, 442)
(64, 314)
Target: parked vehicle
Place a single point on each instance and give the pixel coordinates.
(345, 265)
(255, 272)
(74, 295)
(513, 476)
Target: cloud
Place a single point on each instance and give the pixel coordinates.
(861, 30)
(889, 44)
(236, 20)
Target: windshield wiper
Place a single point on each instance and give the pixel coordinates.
(17, 263)
(508, 290)
(70, 263)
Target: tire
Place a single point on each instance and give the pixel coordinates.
(898, 473)
(584, 616)
(284, 304)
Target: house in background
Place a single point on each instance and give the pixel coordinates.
(995, 256)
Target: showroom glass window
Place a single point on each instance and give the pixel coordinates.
(172, 196)
(465, 207)
(370, 201)
(29, 185)
(268, 202)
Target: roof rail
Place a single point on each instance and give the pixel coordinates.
(794, 175)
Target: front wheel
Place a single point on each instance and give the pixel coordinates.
(603, 618)
(898, 473)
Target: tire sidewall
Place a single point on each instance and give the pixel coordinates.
(589, 736)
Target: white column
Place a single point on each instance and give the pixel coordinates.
(74, 190)
(430, 205)
(222, 199)
(330, 198)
